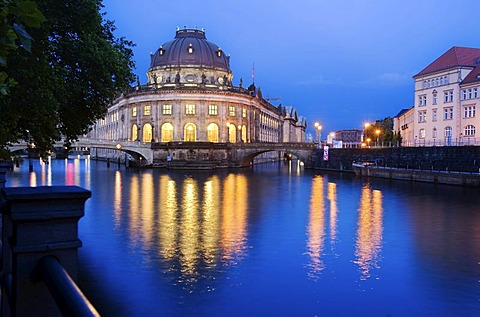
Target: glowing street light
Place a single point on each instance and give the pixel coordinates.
(318, 129)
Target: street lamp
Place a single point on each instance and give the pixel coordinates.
(318, 129)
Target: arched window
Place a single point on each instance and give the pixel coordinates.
(212, 133)
(190, 133)
(448, 132)
(134, 132)
(244, 133)
(147, 132)
(232, 133)
(469, 130)
(167, 132)
(422, 134)
(434, 134)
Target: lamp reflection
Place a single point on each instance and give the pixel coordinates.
(332, 198)
(369, 232)
(195, 226)
(316, 227)
(234, 217)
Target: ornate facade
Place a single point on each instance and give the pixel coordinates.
(190, 97)
(447, 93)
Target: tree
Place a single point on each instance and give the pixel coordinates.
(74, 70)
(14, 15)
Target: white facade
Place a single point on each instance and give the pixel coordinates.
(189, 97)
(447, 96)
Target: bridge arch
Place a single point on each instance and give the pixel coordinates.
(247, 158)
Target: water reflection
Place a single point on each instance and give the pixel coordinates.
(369, 231)
(194, 225)
(316, 227)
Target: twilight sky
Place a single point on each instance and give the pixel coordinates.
(339, 62)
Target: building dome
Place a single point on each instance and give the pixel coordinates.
(190, 48)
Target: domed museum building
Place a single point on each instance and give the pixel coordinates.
(190, 97)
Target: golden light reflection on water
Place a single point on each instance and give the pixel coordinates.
(234, 217)
(167, 222)
(134, 209)
(316, 227)
(193, 225)
(189, 228)
(369, 232)
(211, 219)
(332, 198)
(117, 198)
(147, 209)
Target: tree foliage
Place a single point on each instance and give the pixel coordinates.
(75, 68)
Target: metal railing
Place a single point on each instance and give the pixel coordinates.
(68, 297)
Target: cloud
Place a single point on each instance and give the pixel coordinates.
(387, 79)
(316, 81)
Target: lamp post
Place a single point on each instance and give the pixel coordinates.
(318, 129)
(377, 132)
(365, 130)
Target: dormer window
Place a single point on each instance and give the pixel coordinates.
(161, 51)
(190, 48)
(219, 52)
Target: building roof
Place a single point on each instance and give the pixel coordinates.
(473, 76)
(402, 112)
(454, 57)
(190, 48)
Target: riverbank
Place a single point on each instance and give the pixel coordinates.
(469, 179)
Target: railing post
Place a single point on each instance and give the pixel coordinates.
(38, 222)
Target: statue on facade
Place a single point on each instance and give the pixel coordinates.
(177, 78)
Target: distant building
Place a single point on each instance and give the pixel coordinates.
(446, 100)
(347, 138)
(403, 124)
(190, 97)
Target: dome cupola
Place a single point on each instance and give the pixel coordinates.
(190, 49)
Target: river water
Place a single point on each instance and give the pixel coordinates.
(273, 240)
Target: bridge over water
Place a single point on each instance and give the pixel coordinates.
(200, 154)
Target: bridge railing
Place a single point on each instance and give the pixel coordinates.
(39, 251)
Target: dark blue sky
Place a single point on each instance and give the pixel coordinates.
(341, 62)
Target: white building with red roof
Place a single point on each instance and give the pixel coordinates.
(446, 100)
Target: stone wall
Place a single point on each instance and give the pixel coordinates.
(453, 158)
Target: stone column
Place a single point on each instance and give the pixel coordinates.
(38, 222)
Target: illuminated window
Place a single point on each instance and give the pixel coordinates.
(190, 133)
(190, 109)
(231, 111)
(147, 132)
(213, 110)
(167, 132)
(422, 133)
(134, 132)
(167, 109)
(190, 48)
(232, 133)
(244, 112)
(212, 133)
(244, 133)
(219, 52)
(147, 110)
(469, 130)
(134, 111)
